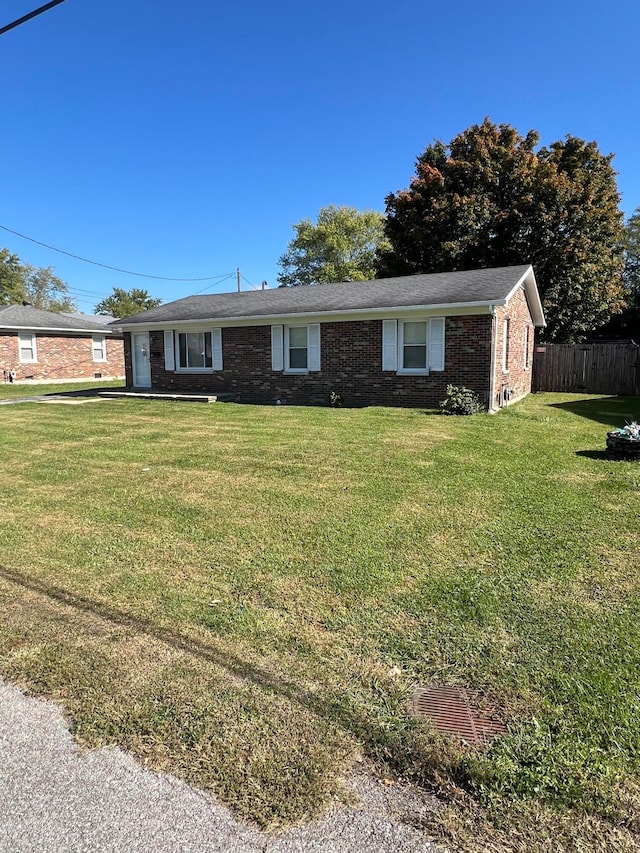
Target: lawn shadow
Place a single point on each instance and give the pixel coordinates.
(611, 411)
(331, 708)
(592, 454)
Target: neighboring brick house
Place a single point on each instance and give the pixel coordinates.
(44, 346)
(395, 341)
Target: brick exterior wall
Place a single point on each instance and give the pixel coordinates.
(61, 357)
(351, 362)
(515, 383)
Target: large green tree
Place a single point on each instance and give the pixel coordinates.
(11, 284)
(490, 198)
(632, 271)
(124, 303)
(43, 289)
(341, 246)
(627, 324)
(21, 282)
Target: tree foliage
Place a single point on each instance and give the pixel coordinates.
(11, 285)
(627, 324)
(489, 199)
(124, 303)
(632, 271)
(632, 253)
(38, 285)
(341, 246)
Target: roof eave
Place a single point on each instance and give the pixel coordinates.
(343, 312)
(528, 281)
(97, 331)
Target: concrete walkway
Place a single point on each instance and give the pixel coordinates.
(56, 798)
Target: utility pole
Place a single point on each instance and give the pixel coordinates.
(238, 277)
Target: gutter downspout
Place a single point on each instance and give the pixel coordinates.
(494, 343)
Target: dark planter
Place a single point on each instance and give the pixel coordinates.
(621, 447)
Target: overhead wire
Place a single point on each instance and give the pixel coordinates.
(198, 292)
(248, 282)
(30, 15)
(108, 266)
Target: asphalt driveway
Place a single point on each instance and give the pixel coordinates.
(56, 798)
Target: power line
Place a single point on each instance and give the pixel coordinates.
(107, 266)
(28, 17)
(244, 278)
(198, 292)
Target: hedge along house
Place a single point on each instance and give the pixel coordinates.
(394, 341)
(43, 346)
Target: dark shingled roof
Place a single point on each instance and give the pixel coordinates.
(28, 317)
(450, 288)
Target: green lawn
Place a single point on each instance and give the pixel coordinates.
(11, 390)
(246, 596)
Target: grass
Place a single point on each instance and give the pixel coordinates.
(12, 390)
(246, 596)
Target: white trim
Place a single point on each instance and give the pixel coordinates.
(133, 361)
(528, 281)
(389, 345)
(277, 349)
(216, 348)
(313, 347)
(393, 312)
(287, 348)
(415, 371)
(494, 359)
(32, 346)
(102, 347)
(169, 351)
(201, 331)
(46, 329)
(436, 344)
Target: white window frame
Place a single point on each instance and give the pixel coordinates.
(31, 345)
(527, 350)
(172, 350)
(99, 343)
(287, 349)
(313, 347)
(415, 371)
(393, 346)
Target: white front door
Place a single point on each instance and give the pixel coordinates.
(141, 361)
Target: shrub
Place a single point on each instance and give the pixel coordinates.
(460, 401)
(335, 400)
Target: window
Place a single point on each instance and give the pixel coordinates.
(526, 348)
(295, 349)
(413, 351)
(99, 348)
(505, 345)
(27, 347)
(413, 346)
(195, 350)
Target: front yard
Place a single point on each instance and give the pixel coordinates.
(246, 596)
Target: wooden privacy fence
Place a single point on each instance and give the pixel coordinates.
(589, 368)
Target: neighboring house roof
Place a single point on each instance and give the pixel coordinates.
(481, 288)
(33, 319)
(101, 319)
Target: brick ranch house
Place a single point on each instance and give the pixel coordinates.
(43, 346)
(392, 342)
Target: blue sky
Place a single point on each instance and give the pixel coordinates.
(185, 139)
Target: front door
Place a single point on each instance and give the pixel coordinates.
(141, 361)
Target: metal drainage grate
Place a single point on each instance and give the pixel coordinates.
(453, 711)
